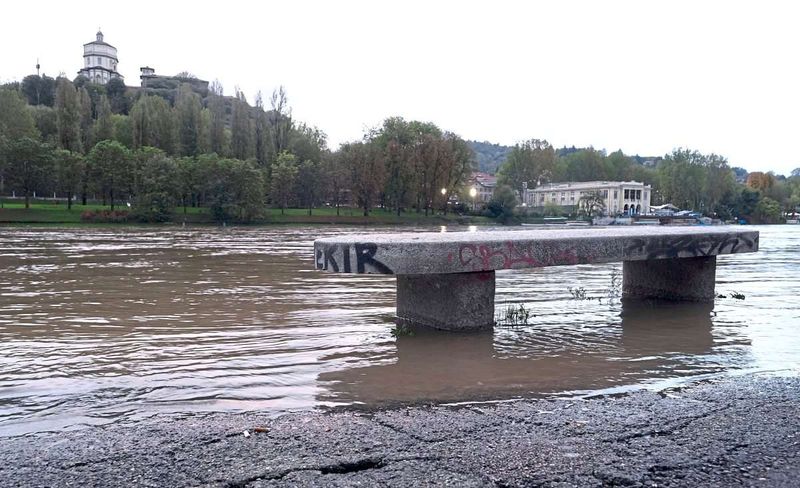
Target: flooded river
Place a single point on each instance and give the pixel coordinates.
(102, 325)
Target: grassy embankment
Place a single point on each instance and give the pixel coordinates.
(41, 212)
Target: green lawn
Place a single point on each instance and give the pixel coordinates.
(53, 213)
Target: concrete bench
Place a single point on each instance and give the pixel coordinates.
(447, 280)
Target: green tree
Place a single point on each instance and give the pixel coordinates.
(282, 181)
(104, 125)
(768, 211)
(153, 124)
(585, 165)
(68, 113)
(309, 185)
(744, 205)
(69, 168)
(156, 186)
(115, 90)
(308, 143)
(216, 107)
(503, 202)
(235, 191)
(261, 134)
(719, 183)
(682, 178)
(86, 120)
(39, 90)
(123, 130)
(335, 178)
(111, 169)
(367, 173)
(28, 165)
(529, 162)
(15, 119)
(46, 123)
(459, 164)
(204, 132)
(187, 110)
(189, 180)
(241, 129)
(406, 148)
(279, 123)
(617, 166)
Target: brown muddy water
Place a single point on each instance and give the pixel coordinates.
(102, 325)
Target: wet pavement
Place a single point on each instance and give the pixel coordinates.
(738, 431)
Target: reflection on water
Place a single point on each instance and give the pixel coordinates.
(99, 325)
(648, 342)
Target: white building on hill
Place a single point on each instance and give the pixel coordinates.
(620, 197)
(99, 61)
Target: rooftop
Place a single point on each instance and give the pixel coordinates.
(582, 185)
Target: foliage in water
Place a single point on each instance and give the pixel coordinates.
(514, 316)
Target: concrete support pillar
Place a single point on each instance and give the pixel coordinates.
(687, 279)
(455, 302)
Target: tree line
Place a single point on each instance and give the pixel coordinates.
(685, 178)
(187, 145)
(214, 151)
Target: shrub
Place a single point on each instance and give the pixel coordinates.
(105, 216)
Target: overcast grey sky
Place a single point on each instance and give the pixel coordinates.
(641, 76)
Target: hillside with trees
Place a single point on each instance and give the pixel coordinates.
(175, 145)
(180, 144)
(489, 156)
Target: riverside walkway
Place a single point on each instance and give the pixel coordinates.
(447, 280)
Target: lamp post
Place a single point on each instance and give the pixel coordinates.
(473, 192)
(444, 200)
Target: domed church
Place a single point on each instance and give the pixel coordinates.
(99, 61)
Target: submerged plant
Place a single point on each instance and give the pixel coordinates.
(578, 293)
(514, 316)
(734, 294)
(402, 330)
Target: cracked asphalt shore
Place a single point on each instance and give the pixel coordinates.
(736, 432)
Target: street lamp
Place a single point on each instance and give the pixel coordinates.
(444, 200)
(473, 192)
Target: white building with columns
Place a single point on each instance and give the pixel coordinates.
(99, 61)
(620, 197)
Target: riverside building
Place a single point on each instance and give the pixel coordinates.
(619, 197)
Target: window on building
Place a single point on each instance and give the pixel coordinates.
(638, 194)
(605, 194)
(615, 194)
(541, 197)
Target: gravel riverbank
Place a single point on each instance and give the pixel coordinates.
(742, 431)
